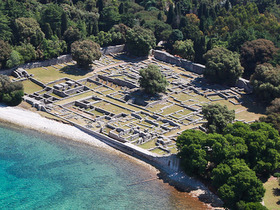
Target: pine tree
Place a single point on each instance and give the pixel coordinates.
(48, 31)
(121, 8)
(170, 14)
(64, 22)
(100, 5)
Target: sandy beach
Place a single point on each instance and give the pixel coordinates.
(32, 120)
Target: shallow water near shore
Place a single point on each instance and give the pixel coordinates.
(39, 171)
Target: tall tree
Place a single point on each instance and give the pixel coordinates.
(256, 52)
(222, 66)
(184, 49)
(152, 80)
(266, 82)
(170, 14)
(85, 52)
(5, 30)
(52, 14)
(11, 93)
(28, 30)
(140, 41)
(64, 22)
(5, 51)
(217, 117)
(15, 59)
(109, 17)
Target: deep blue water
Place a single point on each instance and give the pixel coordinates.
(39, 171)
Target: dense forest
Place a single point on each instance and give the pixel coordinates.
(42, 29)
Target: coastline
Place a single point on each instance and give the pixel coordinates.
(31, 120)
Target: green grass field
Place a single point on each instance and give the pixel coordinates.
(30, 87)
(83, 95)
(272, 194)
(52, 74)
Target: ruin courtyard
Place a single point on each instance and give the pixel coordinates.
(108, 100)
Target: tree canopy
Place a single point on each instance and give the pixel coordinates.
(217, 117)
(11, 93)
(256, 52)
(266, 82)
(140, 41)
(229, 25)
(184, 49)
(5, 51)
(85, 52)
(222, 66)
(152, 80)
(233, 160)
(28, 30)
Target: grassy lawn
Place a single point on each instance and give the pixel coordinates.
(111, 108)
(121, 104)
(159, 151)
(52, 74)
(30, 87)
(230, 105)
(148, 145)
(157, 107)
(215, 97)
(171, 109)
(182, 96)
(83, 95)
(272, 194)
(247, 113)
(173, 150)
(247, 116)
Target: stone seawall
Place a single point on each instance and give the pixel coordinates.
(168, 163)
(194, 67)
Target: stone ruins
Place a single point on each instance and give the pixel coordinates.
(111, 103)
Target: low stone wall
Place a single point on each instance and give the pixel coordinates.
(194, 67)
(37, 82)
(166, 57)
(113, 49)
(118, 81)
(243, 83)
(59, 60)
(62, 59)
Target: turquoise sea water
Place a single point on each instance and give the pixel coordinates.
(39, 171)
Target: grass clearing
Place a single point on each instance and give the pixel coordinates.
(247, 116)
(157, 107)
(272, 194)
(30, 87)
(148, 145)
(172, 109)
(111, 108)
(83, 95)
(52, 74)
(182, 96)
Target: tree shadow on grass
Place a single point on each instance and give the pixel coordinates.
(141, 98)
(129, 58)
(276, 191)
(75, 70)
(250, 102)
